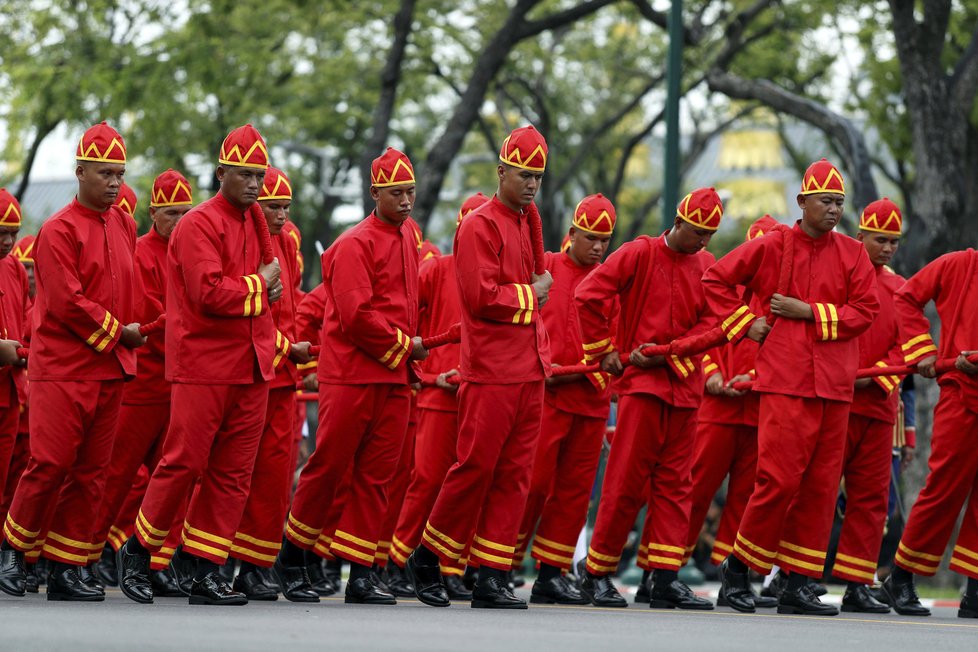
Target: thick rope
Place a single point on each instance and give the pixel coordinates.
(536, 238)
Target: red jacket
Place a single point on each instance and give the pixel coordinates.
(731, 359)
(439, 309)
(309, 321)
(219, 328)
(371, 278)
(150, 385)
(284, 310)
(83, 267)
(590, 396)
(661, 300)
(503, 340)
(816, 359)
(15, 304)
(880, 346)
(951, 282)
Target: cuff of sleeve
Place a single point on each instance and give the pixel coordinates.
(282, 349)
(397, 353)
(683, 367)
(917, 348)
(910, 437)
(826, 321)
(595, 350)
(709, 367)
(887, 383)
(528, 305)
(104, 338)
(256, 303)
(737, 324)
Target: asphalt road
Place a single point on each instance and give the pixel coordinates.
(32, 623)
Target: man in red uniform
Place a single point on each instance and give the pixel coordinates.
(220, 346)
(368, 341)
(145, 412)
(259, 536)
(80, 353)
(823, 297)
(951, 282)
(505, 357)
(575, 414)
(657, 281)
(868, 457)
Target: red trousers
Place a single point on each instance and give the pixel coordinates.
(396, 493)
(9, 422)
(18, 462)
(560, 488)
(866, 473)
(721, 449)
(952, 481)
(213, 436)
(361, 430)
(124, 525)
(259, 534)
(485, 491)
(140, 430)
(72, 427)
(653, 443)
(788, 519)
(434, 455)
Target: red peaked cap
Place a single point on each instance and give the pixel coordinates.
(127, 199)
(822, 176)
(595, 214)
(101, 143)
(525, 148)
(763, 225)
(244, 147)
(392, 168)
(882, 216)
(469, 205)
(24, 249)
(702, 208)
(171, 189)
(275, 186)
(9, 209)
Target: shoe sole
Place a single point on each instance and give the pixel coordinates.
(967, 613)
(541, 599)
(483, 604)
(309, 600)
(665, 604)
(856, 610)
(14, 593)
(201, 600)
(412, 577)
(136, 598)
(351, 600)
(62, 597)
(795, 611)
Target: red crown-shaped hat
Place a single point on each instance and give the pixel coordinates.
(24, 249)
(171, 189)
(9, 209)
(702, 208)
(275, 186)
(392, 168)
(882, 216)
(822, 176)
(765, 224)
(525, 148)
(101, 143)
(565, 244)
(127, 200)
(469, 205)
(244, 147)
(595, 214)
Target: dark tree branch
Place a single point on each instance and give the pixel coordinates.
(484, 127)
(964, 81)
(559, 19)
(626, 154)
(43, 131)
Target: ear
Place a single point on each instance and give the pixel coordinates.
(801, 201)
(79, 171)
(860, 235)
(221, 170)
(500, 171)
(374, 193)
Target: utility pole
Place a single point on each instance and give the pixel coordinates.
(670, 181)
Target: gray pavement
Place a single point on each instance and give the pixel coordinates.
(32, 623)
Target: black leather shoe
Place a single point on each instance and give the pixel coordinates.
(735, 590)
(212, 589)
(270, 579)
(427, 580)
(455, 588)
(969, 606)
(13, 575)
(88, 576)
(642, 593)
(320, 582)
(470, 577)
(601, 592)
(398, 584)
(32, 582)
(676, 595)
(364, 591)
(493, 593)
(164, 584)
(377, 577)
(818, 589)
(105, 568)
(64, 583)
(556, 590)
(134, 575)
(760, 601)
(252, 584)
(903, 598)
(294, 581)
(183, 568)
(804, 602)
(860, 600)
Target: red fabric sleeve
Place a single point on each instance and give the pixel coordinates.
(849, 320)
(596, 299)
(910, 300)
(721, 281)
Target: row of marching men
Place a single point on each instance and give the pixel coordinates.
(502, 449)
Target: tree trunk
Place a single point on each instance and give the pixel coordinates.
(25, 177)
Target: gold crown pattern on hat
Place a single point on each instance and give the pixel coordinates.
(127, 200)
(822, 176)
(763, 225)
(595, 214)
(525, 148)
(275, 186)
(392, 168)
(882, 216)
(101, 143)
(9, 209)
(702, 208)
(171, 189)
(244, 147)
(469, 205)
(24, 249)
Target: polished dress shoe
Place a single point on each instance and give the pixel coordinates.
(183, 568)
(294, 581)
(903, 598)
(494, 593)
(363, 590)
(818, 589)
(860, 600)
(760, 601)
(642, 593)
(212, 589)
(134, 575)
(252, 584)
(735, 589)
(676, 595)
(556, 590)
(105, 568)
(31, 582)
(969, 606)
(398, 583)
(271, 580)
(88, 576)
(320, 582)
(470, 577)
(377, 577)
(13, 575)
(164, 584)
(427, 581)
(804, 602)
(65, 583)
(455, 588)
(601, 592)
